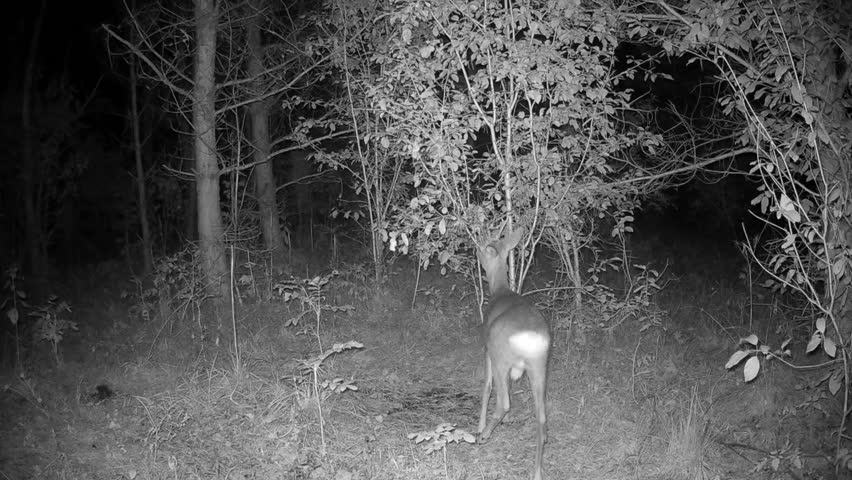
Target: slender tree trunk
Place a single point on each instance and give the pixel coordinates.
(190, 197)
(35, 238)
(376, 209)
(299, 168)
(142, 203)
(210, 231)
(264, 177)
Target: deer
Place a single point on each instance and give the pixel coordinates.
(517, 341)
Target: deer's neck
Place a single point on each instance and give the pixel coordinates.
(498, 281)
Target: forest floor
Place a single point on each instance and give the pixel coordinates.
(641, 397)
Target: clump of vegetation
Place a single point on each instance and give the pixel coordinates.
(301, 135)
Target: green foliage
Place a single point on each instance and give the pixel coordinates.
(784, 73)
(779, 62)
(15, 299)
(753, 351)
(16, 296)
(502, 108)
(781, 460)
(27, 390)
(635, 302)
(312, 366)
(177, 285)
(51, 326)
(310, 295)
(50, 323)
(844, 458)
(436, 440)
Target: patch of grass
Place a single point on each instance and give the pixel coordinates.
(688, 452)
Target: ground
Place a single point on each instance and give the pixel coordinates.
(644, 396)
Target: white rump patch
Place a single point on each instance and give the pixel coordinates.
(529, 344)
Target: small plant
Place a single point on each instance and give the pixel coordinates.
(144, 301)
(433, 294)
(637, 300)
(27, 392)
(780, 460)
(643, 288)
(844, 459)
(437, 439)
(352, 282)
(311, 366)
(17, 298)
(752, 351)
(176, 287)
(246, 282)
(51, 326)
(309, 293)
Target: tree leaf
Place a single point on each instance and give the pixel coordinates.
(823, 136)
(839, 267)
(752, 366)
(820, 325)
(829, 347)
(752, 339)
(788, 209)
(796, 92)
(816, 339)
(834, 382)
(736, 358)
(789, 240)
(12, 315)
(534, 95)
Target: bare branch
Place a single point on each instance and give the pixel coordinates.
(160, 74)
(697, 166)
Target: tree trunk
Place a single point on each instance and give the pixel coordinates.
(264, 178)
(299, 168)
(210, 232)
(376, 208)
(141, 199)
(189, 195)
(35, 237)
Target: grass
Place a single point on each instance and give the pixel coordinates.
(689, 453)
(654, 404)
